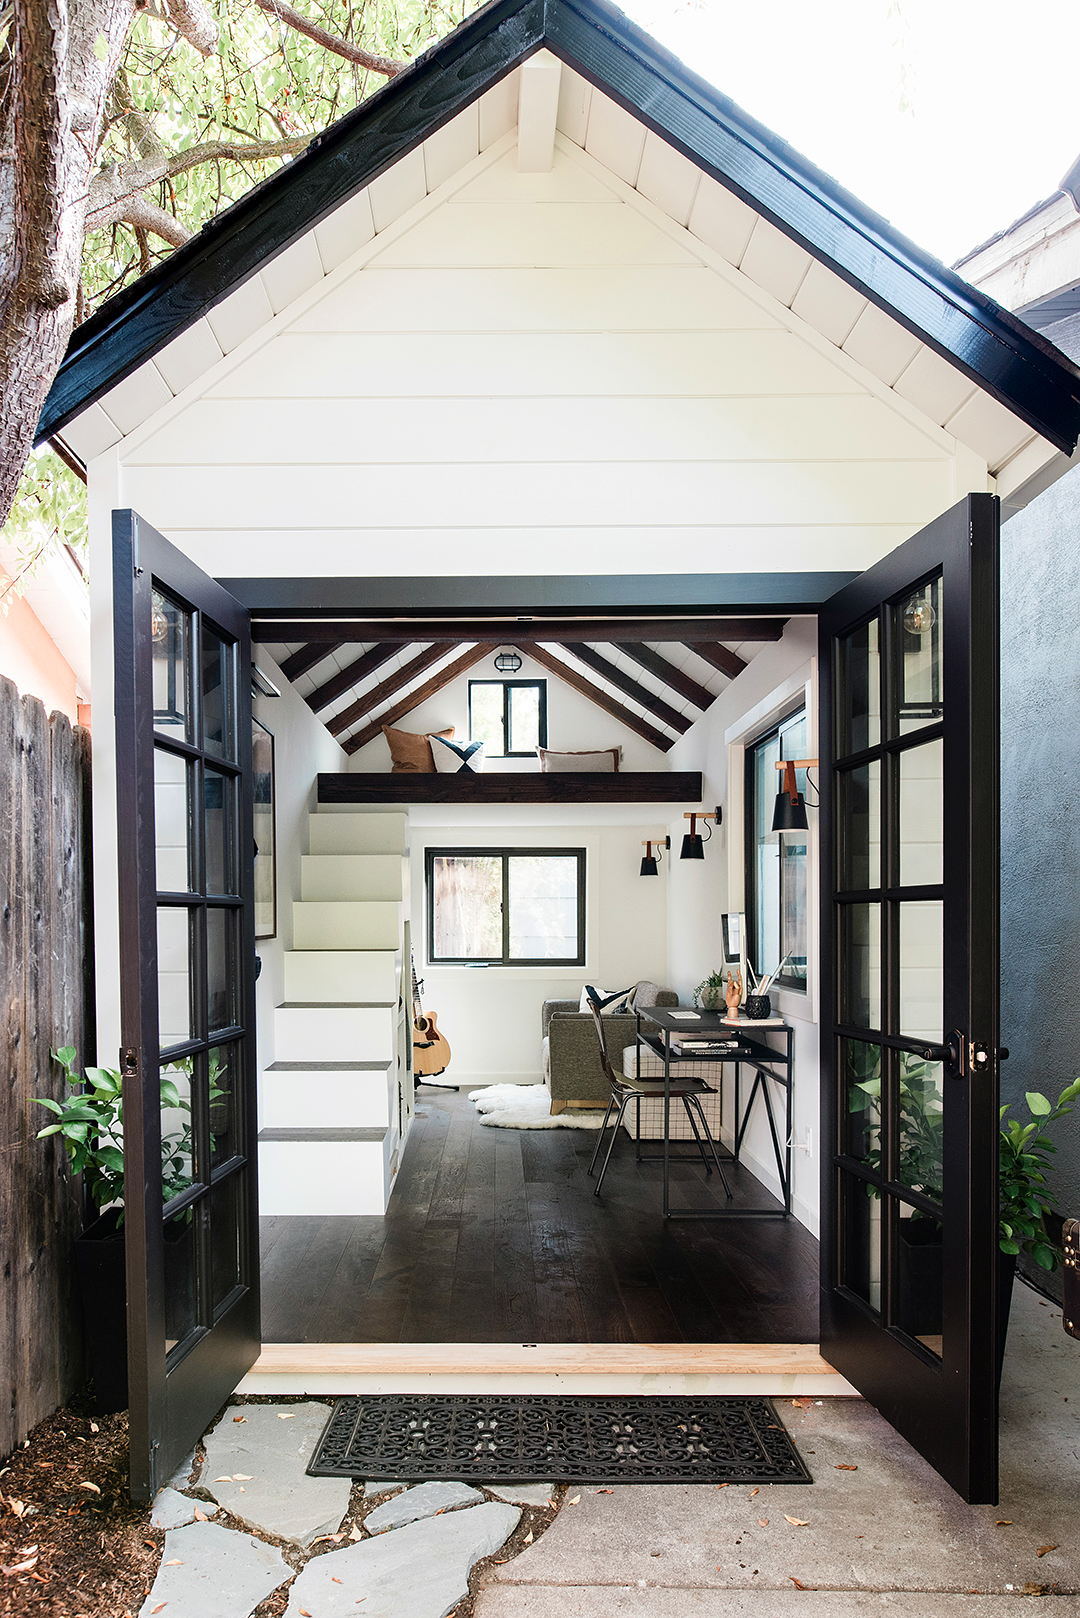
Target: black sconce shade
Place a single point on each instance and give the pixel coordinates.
(790, 811)
(692, 846)
(648, 866)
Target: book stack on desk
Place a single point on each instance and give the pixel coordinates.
(745, 1023)
(706, 1045)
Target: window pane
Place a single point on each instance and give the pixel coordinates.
(225, 1237)
(171, 822)
(221, 969)
(486, 716)
(921, 818)
(170, 632)
(860, 965)
(921, 969)
(858, 688)
(858, 804)
(918, 679)
(467, 907)
(861, 1127)
(921, 1131)
(174, 976)
(778, 866)
(177, 1149)
(544, 907)
(180, 1262)
(524, 719)
(919, 1291)
(860, 1229)
(219, 793)
(224, 1073)
(218, 695)
(766, 942)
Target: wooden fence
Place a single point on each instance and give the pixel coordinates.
(46, 982)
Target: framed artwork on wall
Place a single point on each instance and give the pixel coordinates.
(262, 760)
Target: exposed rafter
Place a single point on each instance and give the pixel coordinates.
(346, 678)
(601, 698)
(379, 693)
(639, 693)
(422, 693)
(307, 657)
(679, 681)
(728, 662)
(562, 630)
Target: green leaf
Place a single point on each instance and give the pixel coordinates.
(50, 1129)
(1044, 1256)
(1009, 1246)
(1037, 1104)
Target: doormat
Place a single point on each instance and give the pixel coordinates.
(534, 1438)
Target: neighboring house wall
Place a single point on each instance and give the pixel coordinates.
(32, 659)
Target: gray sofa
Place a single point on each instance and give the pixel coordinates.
(572, 1070)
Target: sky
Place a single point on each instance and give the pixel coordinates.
(949, 117)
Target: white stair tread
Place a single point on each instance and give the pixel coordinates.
(361, 1135)
(327, 1067)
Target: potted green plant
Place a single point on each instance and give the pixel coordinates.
(90, 1123)
(710, 992)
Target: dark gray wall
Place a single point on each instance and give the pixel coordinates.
(1040, 811)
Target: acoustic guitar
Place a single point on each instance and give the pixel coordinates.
(431, 1051)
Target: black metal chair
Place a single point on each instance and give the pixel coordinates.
(623, 1091)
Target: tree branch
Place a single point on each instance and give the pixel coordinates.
(145, 215)
(341, 47)
(115, 190)
(194, 23)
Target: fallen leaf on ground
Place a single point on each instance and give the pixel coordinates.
(845, 1466)
(242, 1477)
(150, 1544)
(1043, 1549)
(160, 1607)
(90, 1486)
(798, 1583)
(17, 1506)
(575, 1501)
(239, 1418)
(200, 1516)
(94, 1428)
(176, 1562)
(21, 1567)
(763, 1522)
(225, 1480)
(1037, 1589)
(287, 1415)
(354, 1532)
(753, 1492)
(28, 1550)
(797, 1522)
(604, 1491)
(334, 1580)
(803, 1404)
(303, 1612)
(529, 1537)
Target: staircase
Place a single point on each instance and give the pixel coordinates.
(336, 1100)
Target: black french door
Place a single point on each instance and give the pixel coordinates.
(909, 1010)
(182, 654)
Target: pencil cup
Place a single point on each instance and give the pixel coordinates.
(758, 1006)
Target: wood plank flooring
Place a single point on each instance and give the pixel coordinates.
(495, 1236)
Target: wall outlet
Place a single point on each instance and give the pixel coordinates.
(807, 1145)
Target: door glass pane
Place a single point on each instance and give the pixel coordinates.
(858, 806)
(177, 1149)
(224, 1072)
(858, 688)
(219, 798)
(172, 822)
(524, 718)
(180, 1250)
(919, 1291)
(860, 965)
(218, 695)
(918, 679)
(860, 1239)
(921, 823)
(225, 1236)
(174, 976)
(486, 716)
(466, 901)
(221, 969)
(170, 636)
(921, 969)
(543, 907)
(921, 1130)
(861, 1135)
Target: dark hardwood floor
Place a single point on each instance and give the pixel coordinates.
(495, 1236)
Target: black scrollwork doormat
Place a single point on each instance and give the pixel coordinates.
(533, 1437)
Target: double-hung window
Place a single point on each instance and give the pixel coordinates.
(506, 906)
(508, 716)
(776, 895)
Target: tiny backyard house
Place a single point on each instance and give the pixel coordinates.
(547, 350)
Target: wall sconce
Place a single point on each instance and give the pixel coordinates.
(508, 662)
(693, 844)
(790, 811)
(650, 860)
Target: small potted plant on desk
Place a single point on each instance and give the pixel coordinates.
(710, 992)
(91, 1124)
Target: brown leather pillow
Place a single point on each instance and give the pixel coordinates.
(410, 753)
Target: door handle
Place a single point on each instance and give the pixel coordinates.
(952, 1054)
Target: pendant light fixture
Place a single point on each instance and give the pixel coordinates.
(508, 662)
(790, 811)
(693, 844)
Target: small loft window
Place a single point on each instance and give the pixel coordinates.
(508, 716)
(775, 861)
(505, 906)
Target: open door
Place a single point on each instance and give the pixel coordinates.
(909, 1009)
(187, 993)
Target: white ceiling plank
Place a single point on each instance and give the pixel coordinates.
(668, 178)
(566, 181)
(557, 234)
(239, 315)
(615, 138)
(575, 98)
(498, 110)
(451, 147)
(137, 397)
(775, 262)
(538, 107)
(346, 229)
(828, 304)
(937, 387)
(881, 344)
(1025, 465)
(91, 434)
(399, 189)
(185, 359)
(292, 272)
(721, 220)
(989, 429)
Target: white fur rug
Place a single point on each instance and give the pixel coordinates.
(528, 1106)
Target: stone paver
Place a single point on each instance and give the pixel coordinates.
(256, 1470)
(375, 1486)
(588, 1601)
(212, 1572)
(424, 1501)
(523, 1494)
(171, 1510)
(421, 1571)
(182, 1476)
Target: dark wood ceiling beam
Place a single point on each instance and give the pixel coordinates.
(307, 657)
(379, 693)
(429, 689)
(639, 693)
(512, 631)
(601, 698)
(346, 678)
(728, 662)
(679, 681)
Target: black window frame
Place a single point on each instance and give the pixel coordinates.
(541, 725)
(505, 855)
(785, 980)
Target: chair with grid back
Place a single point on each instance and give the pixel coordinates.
(625, 1090)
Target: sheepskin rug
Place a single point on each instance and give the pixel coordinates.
(528, 1106)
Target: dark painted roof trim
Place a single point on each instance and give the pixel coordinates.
(997, 351)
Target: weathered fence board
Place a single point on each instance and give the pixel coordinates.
(45, 1001)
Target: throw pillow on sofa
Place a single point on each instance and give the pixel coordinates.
(610, 1004)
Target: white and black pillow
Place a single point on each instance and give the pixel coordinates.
(607, 1004)
(457, 758)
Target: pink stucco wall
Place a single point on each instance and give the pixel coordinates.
(31, 658)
